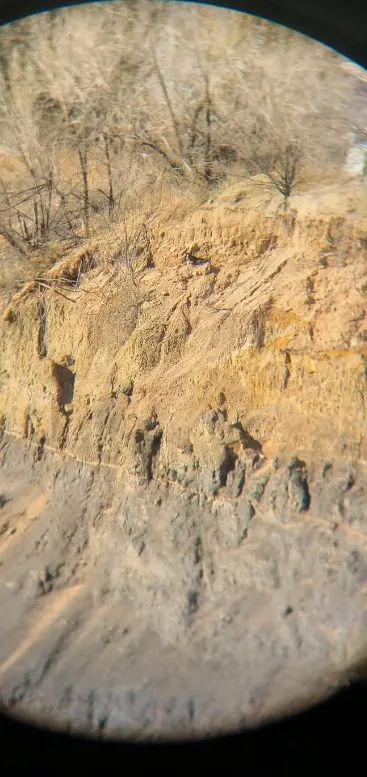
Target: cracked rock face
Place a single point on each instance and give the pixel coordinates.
(183, 481)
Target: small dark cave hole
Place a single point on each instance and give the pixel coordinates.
(65, 380)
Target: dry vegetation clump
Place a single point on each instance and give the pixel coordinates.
(106, 108)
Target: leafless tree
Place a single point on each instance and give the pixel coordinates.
(281, 170)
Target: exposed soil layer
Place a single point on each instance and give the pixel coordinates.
(183, 473)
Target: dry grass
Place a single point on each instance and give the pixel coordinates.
(108, 148)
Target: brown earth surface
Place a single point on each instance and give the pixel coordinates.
(183, 520)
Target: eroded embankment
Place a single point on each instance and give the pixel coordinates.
(198, 439)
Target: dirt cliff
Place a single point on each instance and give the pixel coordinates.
(183, 446)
